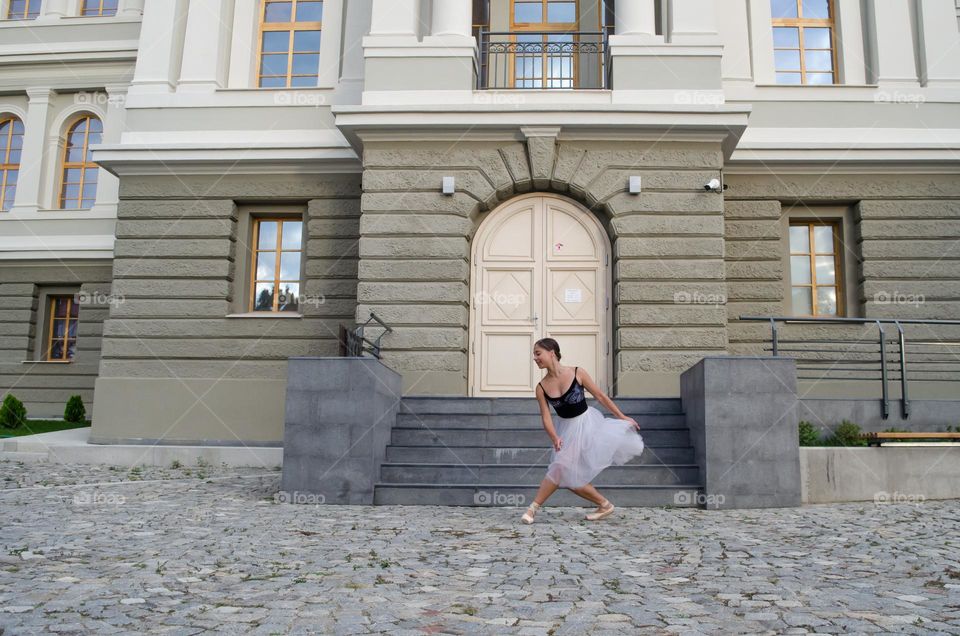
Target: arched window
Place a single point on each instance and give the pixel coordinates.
(289, 43)
(79, 184)
(23, 9)
(11, 141)
(99, 7)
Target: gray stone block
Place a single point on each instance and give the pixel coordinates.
(742, 416)
(339, 414)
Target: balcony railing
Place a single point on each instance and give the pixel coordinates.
(546, 60)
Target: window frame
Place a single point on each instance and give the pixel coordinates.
(840, 271)
(801, 23)
(292, 28)
(9, 15)
(560, 28)
(254, 250)
(51, 301)
(83, 166)
(100, 13)
(5, 165)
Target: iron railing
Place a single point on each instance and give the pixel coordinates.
(353, 343)
(879, 355)
(543, 60)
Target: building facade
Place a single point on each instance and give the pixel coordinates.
(196, 191)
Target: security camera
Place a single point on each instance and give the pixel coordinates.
(712, 186)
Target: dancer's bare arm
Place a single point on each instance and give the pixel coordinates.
(547, 420)
(602, 397)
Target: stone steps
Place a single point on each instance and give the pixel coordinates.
(514, 437)
(494, 451)
(521, 495)
(531, 421)
(529, 406)
(519, 455)
(469, 474)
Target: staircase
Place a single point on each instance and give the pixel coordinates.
(493, 451)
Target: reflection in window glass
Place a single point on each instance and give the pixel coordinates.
(815, 277)
(783, 8)
(78, 189)
(11, 143)
(275, 280)
(99, 7)
(562, 12)
(290, 43)
(63, 314)
(803, 41)
(527, 12)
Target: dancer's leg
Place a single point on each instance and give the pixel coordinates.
(546, 489)
(589, 493)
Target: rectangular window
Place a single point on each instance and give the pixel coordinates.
(275, 264)
(289, 43)
(99, 7)
(64, 314)
(23, 9)
(816, 278)
(549, 48)
(803, 41)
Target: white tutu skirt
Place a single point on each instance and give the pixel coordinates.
(591, 442)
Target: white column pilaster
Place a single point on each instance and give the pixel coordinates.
(161, 46)
(890, 29)
(396, 18)
(452, 17)
(30, 180)
(52, 10)
(636, 18)
(206, 46)
(693, 22)
(130, 8)
(851, 54)
(108, 186)
(939, 42)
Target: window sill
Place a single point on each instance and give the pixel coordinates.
(266, 314)
(47, 362)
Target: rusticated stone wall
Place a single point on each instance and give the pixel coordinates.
(44, 387)
(668, 269)
(178, 363)
(902, 260)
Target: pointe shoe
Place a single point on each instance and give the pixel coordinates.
(531, 512)
(605, 510)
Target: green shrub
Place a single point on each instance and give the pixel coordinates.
(846, 434)
(75, 412)
(809, 436)
(13, 413)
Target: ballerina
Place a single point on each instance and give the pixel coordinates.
(584, 441)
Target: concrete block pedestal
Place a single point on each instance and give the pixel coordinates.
(339, 415)
(742, 415)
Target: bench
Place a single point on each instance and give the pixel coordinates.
(877, 438)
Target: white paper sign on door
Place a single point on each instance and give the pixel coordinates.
(572, 295)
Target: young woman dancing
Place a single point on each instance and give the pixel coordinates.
(584, 441)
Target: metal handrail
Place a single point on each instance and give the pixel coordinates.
(885, 373)
(505, 63)
(352, 341)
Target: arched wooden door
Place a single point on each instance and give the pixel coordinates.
(540, 268)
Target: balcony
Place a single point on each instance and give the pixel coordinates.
(543, 60)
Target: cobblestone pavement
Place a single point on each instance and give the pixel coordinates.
(189, 550)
